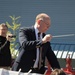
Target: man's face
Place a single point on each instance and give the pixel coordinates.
(44, 25)
(3, 31)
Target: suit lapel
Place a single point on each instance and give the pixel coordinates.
(33, 33)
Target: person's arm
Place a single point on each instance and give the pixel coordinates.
(27, 39)
(52, 59)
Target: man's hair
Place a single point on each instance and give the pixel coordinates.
(3, 25)
(42, 16)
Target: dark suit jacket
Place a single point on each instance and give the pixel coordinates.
(27, 55)
(5, 54)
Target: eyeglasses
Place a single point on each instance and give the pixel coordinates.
(46, 23)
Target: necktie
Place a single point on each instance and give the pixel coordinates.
(40, 53)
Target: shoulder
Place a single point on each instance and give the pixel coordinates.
(26, 28)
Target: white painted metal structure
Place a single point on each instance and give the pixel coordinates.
(9, 72)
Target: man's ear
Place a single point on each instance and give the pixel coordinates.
(38, 22)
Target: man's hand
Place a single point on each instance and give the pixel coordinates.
(9, 37)
(47, 38)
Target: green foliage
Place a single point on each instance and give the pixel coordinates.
(14, 26)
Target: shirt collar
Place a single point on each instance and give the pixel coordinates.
(36, 30)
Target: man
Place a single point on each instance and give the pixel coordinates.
(5, 54)
(30, 44)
